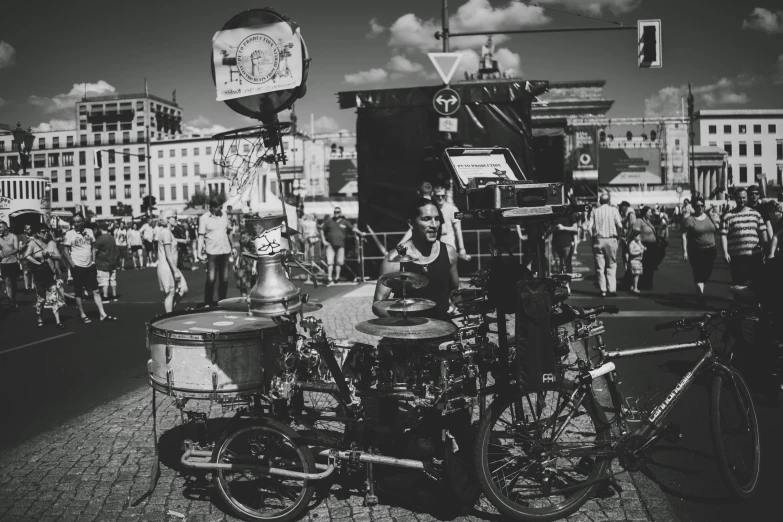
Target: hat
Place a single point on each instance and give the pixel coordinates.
(754, 188)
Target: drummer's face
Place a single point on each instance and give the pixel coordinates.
(427, 223)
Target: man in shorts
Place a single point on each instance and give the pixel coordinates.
(147, 237)
(333, 236)
(106, 263)
(121, 239)
(79, 253)
(9, 261)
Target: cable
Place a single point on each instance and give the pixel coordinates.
(620, 24)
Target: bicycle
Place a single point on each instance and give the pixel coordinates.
(541, 455)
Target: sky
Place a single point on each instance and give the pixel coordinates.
(730, 51)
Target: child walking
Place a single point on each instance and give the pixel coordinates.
(635, 251)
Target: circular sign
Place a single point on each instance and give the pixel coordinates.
(258, 58)
(679, 190)
(446, 102)
(585, 159)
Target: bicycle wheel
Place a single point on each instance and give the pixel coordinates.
(527, 470)
(735, 433)
(254, 496)
(311, 418)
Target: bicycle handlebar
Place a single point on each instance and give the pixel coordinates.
(690, 323)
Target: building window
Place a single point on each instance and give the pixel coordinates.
(82, 157)
(82, 125)
(173, 171)
(184, 170)
(69, 141)
(82, 175)
(83, 194)
(97, 175)
(184, 153)
(97, 192)
(53, 176)
(772, 129)
(172, 153)
(139, 105)
(111, 126)
(112, 138)
(196, 151)
(140, 156)
(98, 211)
(54, 160)
(727, 129)
(140, 123)
(757, 148)
(67, 159)
(185, 193)
(743, 174)
(780, 175)
(112, 192)
(160, 171)
(246, 147)
(127, 191)
(743, 129)
(56, 194)
(142, 190)
(209, 151)
(757, 129)
(112, 174)
(68, 194)
(712, 129)
(96, 139)
(173, 193)
(125, 137)
(140, 138)
(142, 171)
(126, 155)
(757, 172)
(196, 169)
(55, 142)
(126, 173)
(743, 149)
(83, 140)
(727, 148)
(41, 143)
(161, 193)
(68, 176)
(713, 144)
(39, 161)
(160, 153)
(779, 147)
(111, 156)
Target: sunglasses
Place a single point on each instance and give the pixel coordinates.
(440, 196)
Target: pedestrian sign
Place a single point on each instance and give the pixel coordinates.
(447, 124)
(446, 102)
(446, 64)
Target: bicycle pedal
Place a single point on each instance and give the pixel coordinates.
(672, 433)
(585, 466)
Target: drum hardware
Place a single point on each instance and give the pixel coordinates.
(405, 280)
(409, 304)
(170, 381)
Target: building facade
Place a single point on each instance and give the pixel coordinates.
(752, 139)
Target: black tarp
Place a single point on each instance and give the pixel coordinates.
(398, 141)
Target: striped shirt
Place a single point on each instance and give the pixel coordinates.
(744, 231)
(606, 222)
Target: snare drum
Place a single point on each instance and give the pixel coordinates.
(213, 354)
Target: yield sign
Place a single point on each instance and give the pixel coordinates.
(445, 64)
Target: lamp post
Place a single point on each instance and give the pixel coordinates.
(24, 140)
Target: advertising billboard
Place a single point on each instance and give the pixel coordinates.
(677, 154)
(343, 176)
(632, 166)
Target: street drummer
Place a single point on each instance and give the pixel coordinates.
(435, 260)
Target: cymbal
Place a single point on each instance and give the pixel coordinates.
(406, 328)
(410, 280)
(405, 258)
(405, 305)
(240, 304)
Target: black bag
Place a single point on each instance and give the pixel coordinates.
(534, 343)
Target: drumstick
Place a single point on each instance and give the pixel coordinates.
(377, 241)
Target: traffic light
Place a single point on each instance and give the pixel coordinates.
(98, 159)
(649, 43)
(148, 204)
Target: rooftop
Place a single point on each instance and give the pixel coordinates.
(117, 97)
(749, 113)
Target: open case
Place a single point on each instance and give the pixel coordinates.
(492, 180)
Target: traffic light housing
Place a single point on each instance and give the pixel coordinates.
(650, 43)
(148, 204)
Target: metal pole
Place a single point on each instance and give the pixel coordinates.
(445, 25)
(149, 173)
(532, 31)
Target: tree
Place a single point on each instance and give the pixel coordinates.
(122, 210)
(201, 199)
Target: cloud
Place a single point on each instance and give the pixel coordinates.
(411, 33)
(668, 101)
(7, 54)
(363, 77)
(203, 126)
(3, 103)
(326, 124)
(400, 64)
(595, 7)
(64, 103)
(764, 20)
(55, 125)
(376, 29)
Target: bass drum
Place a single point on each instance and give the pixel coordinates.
(213, 354)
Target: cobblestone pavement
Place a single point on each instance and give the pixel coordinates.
(98, 466)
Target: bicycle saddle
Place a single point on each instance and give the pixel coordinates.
(584, 313)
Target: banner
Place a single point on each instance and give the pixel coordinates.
(677, 154)
(488, 166)
(256, 60)
(343, 176)
(633, 166)
(585, 155)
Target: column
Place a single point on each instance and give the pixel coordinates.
(714, 179)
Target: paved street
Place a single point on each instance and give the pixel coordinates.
(77, 443)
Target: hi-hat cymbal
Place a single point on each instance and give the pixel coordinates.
(241, 304)
(405, 305)
(410, 280)
(406, 328)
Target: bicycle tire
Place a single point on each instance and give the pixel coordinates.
(525, 513)
(294, 449)
(321, 432)
(743, 486)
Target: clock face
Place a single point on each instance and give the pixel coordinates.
(258, 58)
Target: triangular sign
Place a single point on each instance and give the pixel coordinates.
(446, 64)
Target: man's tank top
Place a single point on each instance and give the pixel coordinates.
(438, 272)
